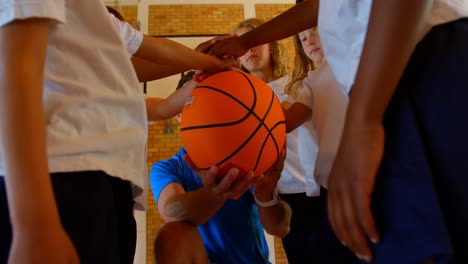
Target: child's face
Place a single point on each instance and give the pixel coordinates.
(256, 59)
(311, 44)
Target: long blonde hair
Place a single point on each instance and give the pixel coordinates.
(277, 58)
(302, 65)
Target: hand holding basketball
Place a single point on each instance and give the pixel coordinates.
(229, 186)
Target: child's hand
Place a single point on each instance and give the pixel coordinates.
(231, 47)
(206, 46)
(225, 63)
(351, 184)
(202, 75)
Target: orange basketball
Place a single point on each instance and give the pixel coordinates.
(233, 119)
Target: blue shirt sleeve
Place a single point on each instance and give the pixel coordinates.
(166, 172)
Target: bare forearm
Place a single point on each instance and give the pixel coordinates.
(298, 18)
(391, 38)
(296, 115)
(159, 109)
(147, 71)
(167, 52)
(276, 219)
(22, 125)
(196, 207)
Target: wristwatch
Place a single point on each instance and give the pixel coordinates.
(272, 202)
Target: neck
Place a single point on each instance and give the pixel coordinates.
(265, 75)
(319, 62)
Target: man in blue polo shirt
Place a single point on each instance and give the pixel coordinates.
(216, 220)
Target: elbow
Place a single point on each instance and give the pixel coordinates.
(194, 222)
(280, 231)
(283, 232)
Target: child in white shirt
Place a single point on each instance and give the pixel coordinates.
(72, 109)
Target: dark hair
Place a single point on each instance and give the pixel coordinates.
(115, 13)
(185, 77)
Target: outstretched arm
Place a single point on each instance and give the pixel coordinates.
(159, 109)
(295, 115)
(147, 70)
(167, 52)
(37, 230)
(296, 19)
(389, 44)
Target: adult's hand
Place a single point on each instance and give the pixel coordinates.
(229, 186)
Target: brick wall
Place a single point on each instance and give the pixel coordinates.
(129, 13)
(173, 20)
(269, 11)
(164, 141)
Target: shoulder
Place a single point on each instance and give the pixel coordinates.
(176, 165)
(22, 9)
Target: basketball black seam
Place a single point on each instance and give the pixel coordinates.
(266, 139)
(269, 132)
(250, 111)
(261, 123)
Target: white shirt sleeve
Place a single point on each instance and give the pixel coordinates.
(24, 9)
(132, 38)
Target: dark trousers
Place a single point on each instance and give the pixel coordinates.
(301, 244)
(420, 201)
(96, 211)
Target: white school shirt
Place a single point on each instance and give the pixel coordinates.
(343, 24)
(307, 146)
(293, 175)
(94, 110)
(328, 117)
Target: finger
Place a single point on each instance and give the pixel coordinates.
(227, 180)
(344, 221)
(224, 37)
(367, 220)
(210, 179)
(355, 234)
(335, 214)
(233, 63)
(200, 77)
(242, 185)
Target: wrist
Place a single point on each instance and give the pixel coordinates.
(266, 199)
(244, 41)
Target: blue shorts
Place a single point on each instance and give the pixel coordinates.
(420, 201)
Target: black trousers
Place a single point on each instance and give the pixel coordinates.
(96, 211)
(302, 243)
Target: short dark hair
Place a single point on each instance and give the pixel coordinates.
(185, 77)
